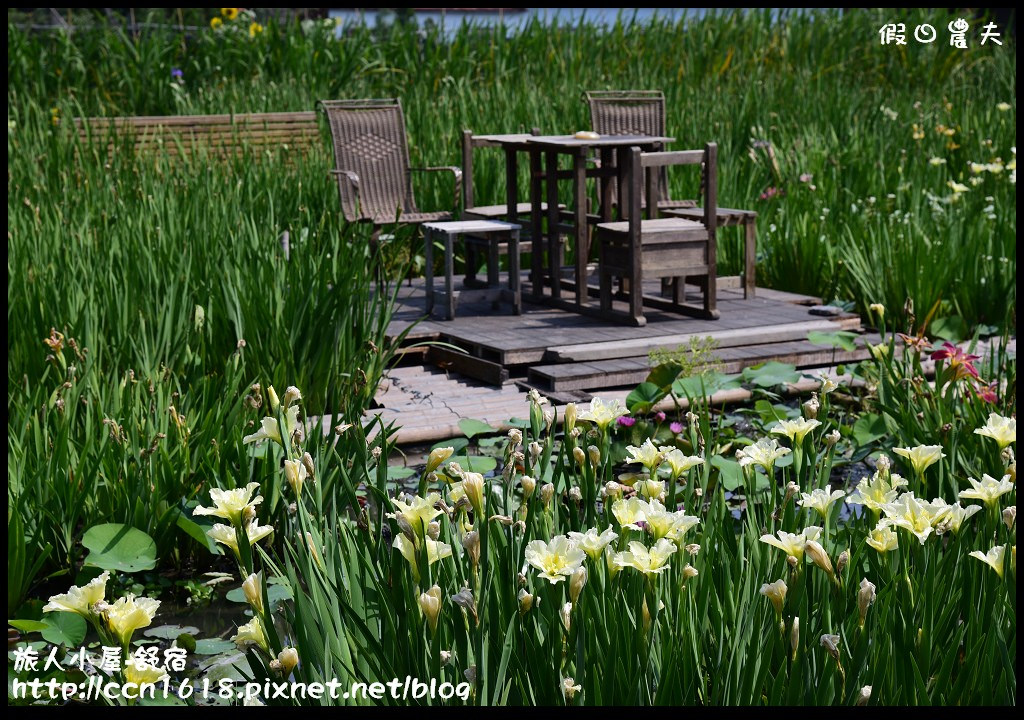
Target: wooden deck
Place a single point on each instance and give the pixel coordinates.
(481, 364)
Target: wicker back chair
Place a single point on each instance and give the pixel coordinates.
(371, 160)
(633, 112)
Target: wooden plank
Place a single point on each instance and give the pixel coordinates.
(473, 367)
(724, 338)
(616, 373)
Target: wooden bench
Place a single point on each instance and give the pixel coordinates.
(221, 136)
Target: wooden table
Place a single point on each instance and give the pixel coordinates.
(551, 146)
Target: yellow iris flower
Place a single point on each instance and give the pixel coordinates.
(556, 560)
(651, 562)
(129, 614)
(795, 430)
(993, 558)
(921, 457)
(80, 599)
(1001, 429)
(792, 544)
(988, 489)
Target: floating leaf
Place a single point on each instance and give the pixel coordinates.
(770, 374)
(65, 628)
(28, 626)
(275, 594)
(397, 472)
(644, 397)
(664, 375)
(730, 472)
(952, 328)
(471, 428)
(113, 546)
(213, 646)
(868, 428)
(706, 385)
(170, 632)
(841, 339)
(475, 463)
(455, 444)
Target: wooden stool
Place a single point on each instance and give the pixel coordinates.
(728, 217)
(493, 232)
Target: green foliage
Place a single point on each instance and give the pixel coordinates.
(120, 548)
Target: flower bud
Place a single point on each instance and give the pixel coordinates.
(570, 417)
(464, 599)
(832, 438)
(446, 657)
(883, 464)
(794, 636)
(570, 688)
(547, 492)
(595, 456)
(575, 433)
(579, 456)
(793, 561)
(437, 457)
(275, 403)
(474, 486)
(565, 615)
(575, 494)
(842, 561)
(529, 485)
(776, 592)
(433, 530)
(549, 417)
(471, 543)
(295, 474)
(307, 462)
(865, 692)
(515, 437)
(291, 396)
(430, 604)
(289, 658)
(646, 617)
(610, 565)
(612, 490)
(879, 310)
(1010, 516)
(689, 572)
(535, 451)
(693, 549)
(831, 645)
(811, 407)
(253, 589)
(525, 601)
(865, 597)
(576, 584)
(818, 555)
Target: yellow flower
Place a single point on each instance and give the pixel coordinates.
(295, 473)
(570, 688)
(269, 429)
(129, 614)
(955, 515)
(878, 309)
(603, 415)
(988, 490)
(665, 524)
(253, 589)
(776, 592)
(255, 29)
(914, 515)
(475, 487)
(593, 542)
(233, 505)
(140, 673)
(1003, 106)
(921, 457)
(820, 500)
(795, 430)
(650, 562)
(216, 23)
(956, 187)
(883, 539)
(225, 534)
(251, 634)
(229, 13)
(819, 557)
(80, 599)
(430, 604)
(417, 513)
(556, 560)
(792, 544)
(630, 513)
(828, 383)
(877, 491)
(993, 558)
(865, 597)
(765, 453)
(651, 489)
(679, 462)
(1001, 429)
(437, 457)
(647, 455)
(289, 658)
(435, 551)
(918, 132)
(937, 161)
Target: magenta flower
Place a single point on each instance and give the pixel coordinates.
(659, 416)
(626, 421)
(676, 427)
(961, 363)
(987, 393)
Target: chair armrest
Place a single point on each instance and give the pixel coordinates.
(456, 176)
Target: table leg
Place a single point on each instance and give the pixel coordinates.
(551, 179)
(513, 272)
(579, 187)
(428, 252)
(607, 184)
(536, 234)
(512, 184)
(749, 257)
(449, 271)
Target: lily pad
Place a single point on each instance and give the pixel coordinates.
(730, 472)
(868, 428)
(117, 547)
(455, 444)
(275, 594)
(664, 375)
(644, 397)
(952, 328)
(840, 339)
(476, 463)
(707, 384)
(213, 646)
(65, 628)
(471, 428)
(770, 374)
(170, 632)
(397, 472)
(27, 626)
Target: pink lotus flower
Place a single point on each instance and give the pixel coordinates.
(659, 416)
(626, 421)
(676, 427)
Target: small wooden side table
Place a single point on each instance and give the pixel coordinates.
(494, 232)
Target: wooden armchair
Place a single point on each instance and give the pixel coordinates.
(372, 163)
(639, 248)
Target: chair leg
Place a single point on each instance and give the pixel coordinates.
(749, 257)
(428, 270)
(472, 263)
(449, 271)
(636, 295)
(513, 273)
